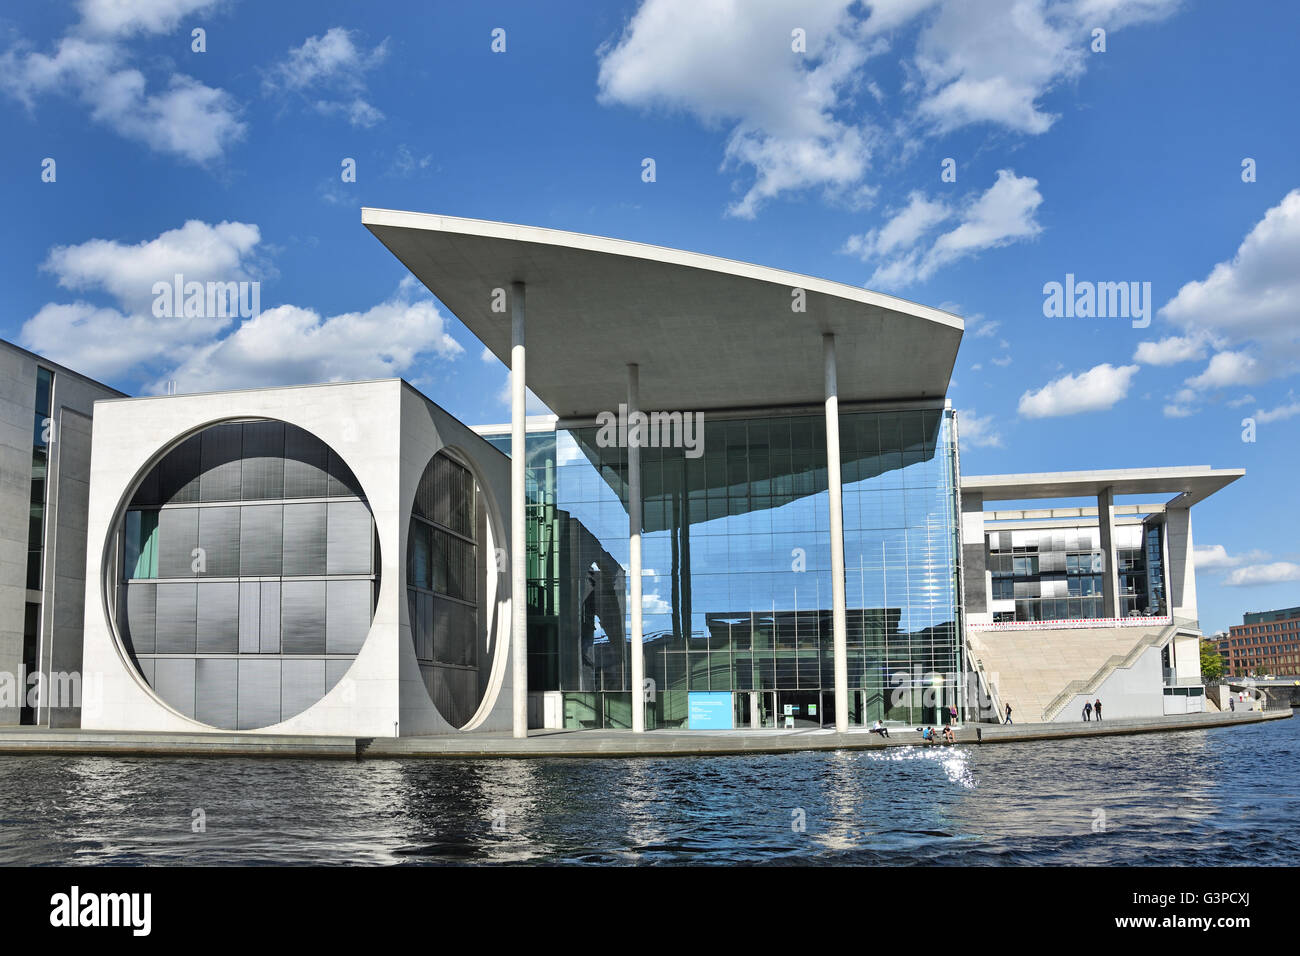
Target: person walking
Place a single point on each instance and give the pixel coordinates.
(1087, 711)
(1232, 703)
(1008, 720)
(952, 714)
(1096, 708)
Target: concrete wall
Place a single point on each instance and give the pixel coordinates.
(1182, 566)
(67, 489)
(17, 401)
(975, 576)
(386, 432)
(1136, 691)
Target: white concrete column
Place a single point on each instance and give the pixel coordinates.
(634, 545)
(1181, 564)
(839, 625)
(1110, 573)
(518, 513)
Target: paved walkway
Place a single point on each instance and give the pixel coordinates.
(573, 743)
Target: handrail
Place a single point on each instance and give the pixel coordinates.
(989, 687)
(1114, 663)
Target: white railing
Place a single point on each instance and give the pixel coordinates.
(1055, 625)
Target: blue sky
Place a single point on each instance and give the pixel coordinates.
(1122, 164)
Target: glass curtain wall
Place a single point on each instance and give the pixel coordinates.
(736, 570)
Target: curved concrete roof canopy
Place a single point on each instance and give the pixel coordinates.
(707, 333)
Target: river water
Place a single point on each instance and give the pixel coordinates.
(1221, 796)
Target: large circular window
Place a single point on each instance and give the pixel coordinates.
(446, 575)
(246, 573)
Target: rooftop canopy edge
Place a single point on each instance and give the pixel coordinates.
(706, 332)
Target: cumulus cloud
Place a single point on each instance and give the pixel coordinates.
(291, 345)
(1209, 557)
(91, 64)
(1280, 413)
(1260, 574)
(797, 119)
(1250, 304)
(1171, 350)
(978, 431)
(1097, 389)
(1002, 214)
(286, 344)
(333, 63)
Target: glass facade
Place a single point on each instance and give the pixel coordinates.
(1055, 574)
(444, 587)
(247, 573)
(736, 570)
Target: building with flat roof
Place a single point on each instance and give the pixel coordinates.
(747, 511)
(45, 424)
(1264, 643)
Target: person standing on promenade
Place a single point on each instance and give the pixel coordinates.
(1087, 711)
(1096, 708)
(1008, 720)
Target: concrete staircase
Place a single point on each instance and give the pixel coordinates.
(1039, 671)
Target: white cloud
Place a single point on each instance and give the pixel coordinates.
(1178, 411)
(1002, 214)
(1002, 362)
(126, 17)
(1171, 350)
(486, 355)
(796, 118)
(335, 63)
(1243, 400)
(977, 431)
(186, 118)
(199, 251)
(1261, 574)
(1230, 368)
(282, 345)
(1208, 557)
(532, 404)
(1097, 389)
(903, 231)
(1277, 414)
(1255, 295)
(1251, 302)
(291, 345)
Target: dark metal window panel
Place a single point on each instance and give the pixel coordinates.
(140, 604)
(178, 536)
(302, 684)
(349, 536)
(259, 693)
(419, 571)
(270, 617)
(250, 614)
(305, 539)
(216, 692)
(219, 539)
(341, 480)
(305, 466)
(347, 618)
(454, 633)
(261, 539)
(178, 472)
(222, 463)
(177, 617)
(218, 617)
(174, 682)
(302, 617)
(263, 473)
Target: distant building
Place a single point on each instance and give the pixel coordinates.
(1265, 642)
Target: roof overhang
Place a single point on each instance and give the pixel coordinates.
(707, 333)
(1188, 485)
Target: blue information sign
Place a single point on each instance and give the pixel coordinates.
(710, 710)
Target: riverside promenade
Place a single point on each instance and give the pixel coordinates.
(580, 743)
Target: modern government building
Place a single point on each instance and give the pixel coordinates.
(747, 511)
